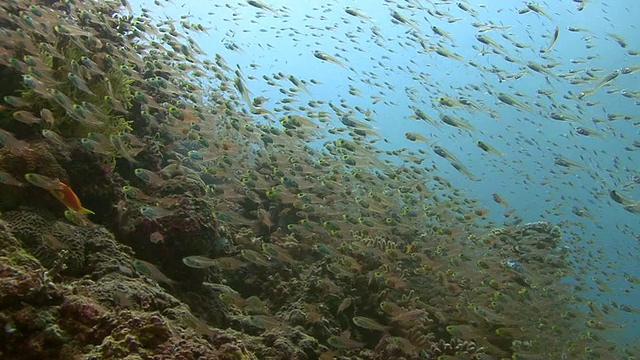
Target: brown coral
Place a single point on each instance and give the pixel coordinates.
(35, 159)
(25, 288)
(90, 250)
(116, 317)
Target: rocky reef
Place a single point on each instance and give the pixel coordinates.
(90, 303)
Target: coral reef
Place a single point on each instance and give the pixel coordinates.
(33, 158)
(112, 315)
(218, 235)
(91, 251)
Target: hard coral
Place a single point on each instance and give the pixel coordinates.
(24, 290)
(149, 335)
(91, 250)
(107, 319)
(22, 278)
(36, 158)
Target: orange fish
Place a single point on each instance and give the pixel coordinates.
(69, 199)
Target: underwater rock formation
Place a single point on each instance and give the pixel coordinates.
(112, 314)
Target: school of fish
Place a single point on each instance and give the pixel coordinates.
(311, 187)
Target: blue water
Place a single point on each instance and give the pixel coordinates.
(403, 75)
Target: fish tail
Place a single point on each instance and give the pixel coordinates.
(83, 210)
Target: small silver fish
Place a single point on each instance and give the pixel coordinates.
(7, 179)
(198, 262)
